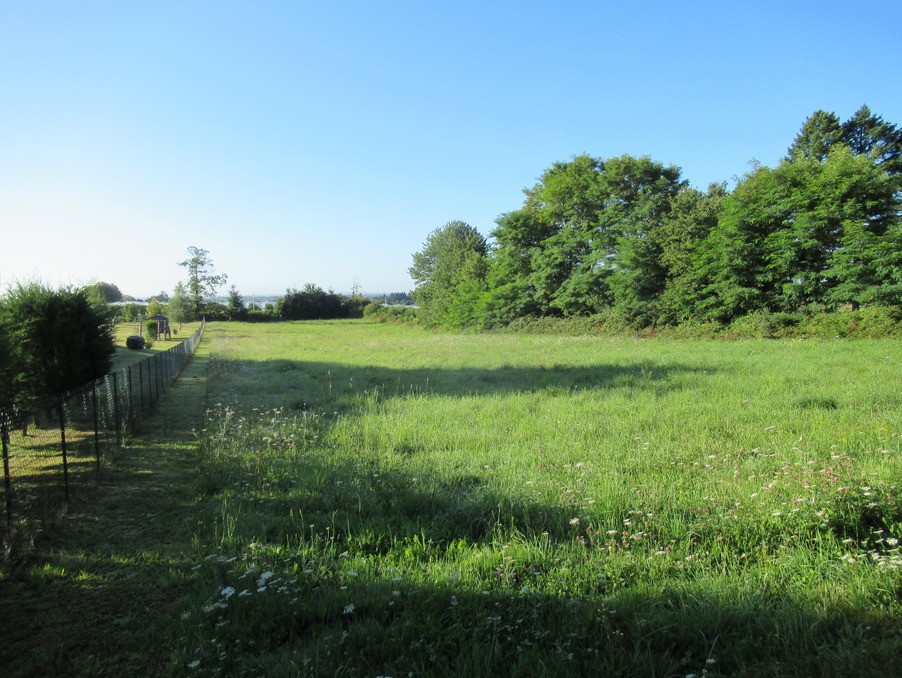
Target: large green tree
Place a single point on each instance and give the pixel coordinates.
(640, 196)
(806, 233)
(864, 133)
(12, 368)
(692, 217)
(202, 281)
(108, 292)
(870, 135)
(449, 259)
(586, 238)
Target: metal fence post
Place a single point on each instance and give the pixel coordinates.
(63, 444)
(152, 373)
(131, 399)
(116, 419)
(96, 425)
(141, 386)
(159, 360)
(7, 481)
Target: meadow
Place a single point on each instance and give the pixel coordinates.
(380, 500)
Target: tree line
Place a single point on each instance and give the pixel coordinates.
(195, 298)
(628, 237)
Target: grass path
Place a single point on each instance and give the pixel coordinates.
(94, 597)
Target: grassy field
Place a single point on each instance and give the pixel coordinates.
(391, 501)
(126, 356)
(378, 500)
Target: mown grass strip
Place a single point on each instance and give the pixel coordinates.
(96, 594)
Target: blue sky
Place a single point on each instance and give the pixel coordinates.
(305, 142)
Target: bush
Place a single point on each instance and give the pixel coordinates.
(372, 309)
(59, 341)
(763, 325)
(135, 342)
(404, 315)
(865, 323)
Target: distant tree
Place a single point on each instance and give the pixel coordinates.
(215, 310)
(202, 282)
(236, 307)
(154, 307)
(130, 312)
(438, 267)
(397, 298)
(180, 309)
(56, 340)
(311, 303)
(106, 291)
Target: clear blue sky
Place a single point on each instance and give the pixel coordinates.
(322, 142)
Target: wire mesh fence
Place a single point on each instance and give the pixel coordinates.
(65, 441)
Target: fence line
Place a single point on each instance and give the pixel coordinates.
(65, 438)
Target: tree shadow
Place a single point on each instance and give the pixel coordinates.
(300, 515)
(617, 624)
(298, 384)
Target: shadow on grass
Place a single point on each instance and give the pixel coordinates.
(385, 628)
(297, 384)
(298, 511)
(518, 595)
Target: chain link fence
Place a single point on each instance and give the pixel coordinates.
(65, 440)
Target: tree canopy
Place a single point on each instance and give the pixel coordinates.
(627, 236)
(446, 269)
(108, 292)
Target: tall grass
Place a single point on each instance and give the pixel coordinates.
(388, 501)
